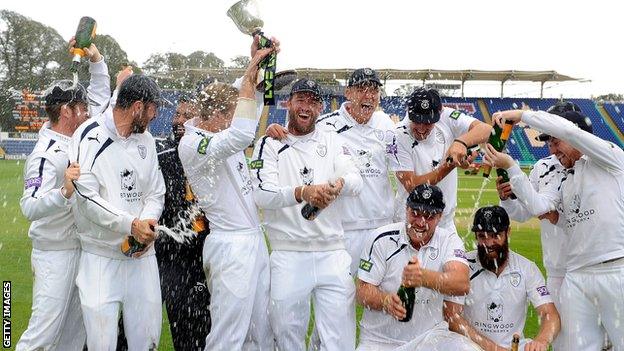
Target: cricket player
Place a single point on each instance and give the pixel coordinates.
(590, 207)
(546, 171)
(502, 283)
(120, 194)
(309, 257)
(235, 256)
(369, 136)
(56, 320)
(427, 137)
(417, 253)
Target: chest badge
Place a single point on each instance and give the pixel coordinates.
(515, 278)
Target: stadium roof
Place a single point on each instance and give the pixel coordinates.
(324, 74)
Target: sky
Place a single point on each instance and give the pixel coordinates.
(578, 39)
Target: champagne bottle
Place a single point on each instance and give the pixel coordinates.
(515, 342)
(84, 37)
(130, 246)
(505, 178)
(498, 139)
(408, 297)
(309, 211)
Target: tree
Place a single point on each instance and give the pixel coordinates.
(610, 97)
(240, 61)
(176, 71)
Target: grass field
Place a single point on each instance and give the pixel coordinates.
(15, 246)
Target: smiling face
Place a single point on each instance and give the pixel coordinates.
(492, 249)
(364, 100)
(303, 110)
(565, 153)
(421, 225)
(421, 131)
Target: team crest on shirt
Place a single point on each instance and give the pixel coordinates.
(379, 134)
(495, 312)
(515, 278)
(142, 151)
(307, 175)
(321, 150)
(439, 137)
(434, 253)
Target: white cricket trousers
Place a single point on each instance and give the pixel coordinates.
(554, 287)
(56, 319)
(592, 301)
(297, 276)
(237, 273)
(107, 285)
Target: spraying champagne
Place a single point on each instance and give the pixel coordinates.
(84, 37)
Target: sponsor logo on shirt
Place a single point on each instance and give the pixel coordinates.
(203, 145)
(364, 162)
(542, 290)
(128, 186)
(307, 175)
(365, 265)
(256, 164)
(576, 215)
(455, 114)
(459, 253)
(33, 182)
(245, 179)
(495, 312)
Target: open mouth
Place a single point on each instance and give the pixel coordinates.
(366, 107)
(303, 116)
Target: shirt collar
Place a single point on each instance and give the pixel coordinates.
(45, 131)
(190, 128)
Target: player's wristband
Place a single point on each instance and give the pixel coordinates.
(461, 142)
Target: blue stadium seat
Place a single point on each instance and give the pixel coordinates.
(18, 146)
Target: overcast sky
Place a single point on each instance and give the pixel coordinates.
(579, 39)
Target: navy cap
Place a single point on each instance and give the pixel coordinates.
(575, 117)
(65, 91)
(364, 76)
(305, 85)
(426, 198)
(490, 219)
(423, 106)
(559, 109)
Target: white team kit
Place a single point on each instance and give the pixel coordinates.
(371, 145)
(56, 322)
(120, 180)
(235, 254)
(593, 219)
(309, 257)
(496, 306)
(387, 252)
(424, 156)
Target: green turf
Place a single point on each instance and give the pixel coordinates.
(15, 246)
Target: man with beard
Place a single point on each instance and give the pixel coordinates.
(235, 256)
(56, 320)
(414, 254)
(502, 283)
(589, 199)
(547, 170)
(120, 193)
(182, 277)
(432, 140)
(309, 257)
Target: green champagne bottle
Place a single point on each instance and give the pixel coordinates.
(498, 139)
(84, 37)
(408, 297)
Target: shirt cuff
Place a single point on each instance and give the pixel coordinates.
(246, 108)
(98, 67)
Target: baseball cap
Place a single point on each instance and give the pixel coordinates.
(423, 106)
(305, 85)
(575, 117)
(426, 198)
(139, 87)
(491, 219)
(563, 106)
(362, 76)
(66, 91)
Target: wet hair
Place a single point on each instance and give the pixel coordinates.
(216, 97)
(138, 88)
(54, 111)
